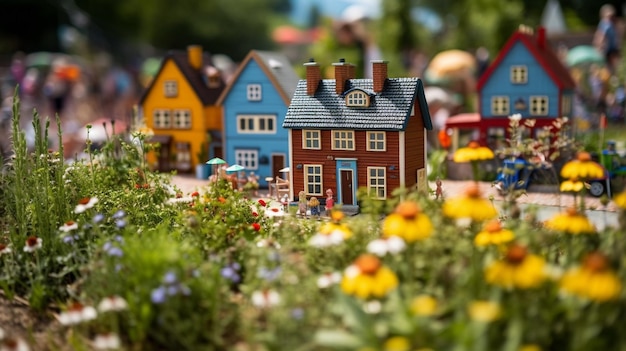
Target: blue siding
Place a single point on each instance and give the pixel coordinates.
(236, 103)
(539, 83)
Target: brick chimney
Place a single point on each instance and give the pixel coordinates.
(541, 37)
(342, 70)
(194, 54)
(379, 74)
(313, 76)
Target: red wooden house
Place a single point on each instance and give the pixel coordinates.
(346, 133)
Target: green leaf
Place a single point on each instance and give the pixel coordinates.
(337, 338)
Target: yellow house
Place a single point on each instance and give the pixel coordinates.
(179, 106)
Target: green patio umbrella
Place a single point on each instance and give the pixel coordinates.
(583, 54)
(214, 162)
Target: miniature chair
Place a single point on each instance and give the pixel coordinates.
(282, 187)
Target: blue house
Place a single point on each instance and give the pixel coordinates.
(254, 107)
(526, 78)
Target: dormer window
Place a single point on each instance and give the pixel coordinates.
(519, 74)
(357, 98)
(170, 88)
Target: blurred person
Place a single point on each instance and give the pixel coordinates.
(352, 30)
(606, 37)
(56, 87)
(482, 61)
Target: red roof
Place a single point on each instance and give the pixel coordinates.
(538, 46)
(467, 120)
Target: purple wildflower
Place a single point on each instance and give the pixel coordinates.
(158, 295)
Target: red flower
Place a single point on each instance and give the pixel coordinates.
(254, 214)
(262, 203)
(137, 186)
(222, 200)
(195, 194)
(256, 227)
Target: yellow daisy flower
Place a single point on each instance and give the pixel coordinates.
(529, 347)
(470, 205)
(424, 305)
(620, 200)
(397, 343)
(473, 152)
(517, 270)
(493, 234)
(582, 168)
(572, 222)
(484, 311)
(594, 280)
(367, 278)
(408, 223)
(573, 185)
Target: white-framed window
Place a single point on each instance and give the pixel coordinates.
(519, 74)
(538, 105)
(170, 88)
(376, 141)
(357, 99)
(183, 156)
(162, 119)
(500, 105)
(566, 105)
(254, 92)
(182, 119)
(376, 182)
(258, 124)
(311, 139)
(248, 158)
(343, 140)
(313, 180)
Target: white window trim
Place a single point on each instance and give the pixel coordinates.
(256, 123)
(181, 126)
(159, 125)
(515, 78)
(373, 191)
(532, 101)
(566, 105)
(306, 180)
(369, 141)
(246, 161)
(254, 92)
(333, 139)
(170, 88)
(319, 139)
(503, 102)
(352, 100)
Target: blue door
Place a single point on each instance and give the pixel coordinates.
(346, 182)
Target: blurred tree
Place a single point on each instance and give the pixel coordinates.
(29, 25)
(219, 25)
(397, 35)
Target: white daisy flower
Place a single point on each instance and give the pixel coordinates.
(329, 279)
(33, 244)
(85, 203)
(77, 313)
(112, 303)
(68, 226)
(109, 341)
(5, 249)
(13, 344)
(324, 240)
(391, 245)
(265, 298)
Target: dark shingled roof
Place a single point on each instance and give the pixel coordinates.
(388, 110)
(207, 95)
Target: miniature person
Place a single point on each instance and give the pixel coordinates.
(329, 201)
(606, 37)
(314, 205)
(302, 203)
(439, 189)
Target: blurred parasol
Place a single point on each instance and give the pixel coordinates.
(583, 54)
(450, 64)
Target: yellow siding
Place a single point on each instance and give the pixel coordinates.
(202, 118)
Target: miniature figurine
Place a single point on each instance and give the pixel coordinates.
(285, 202)
(314, 205)
(329, 201)
(252, 184)
(439, 189)
(302, 203)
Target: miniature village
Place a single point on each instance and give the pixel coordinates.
(313, 206)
